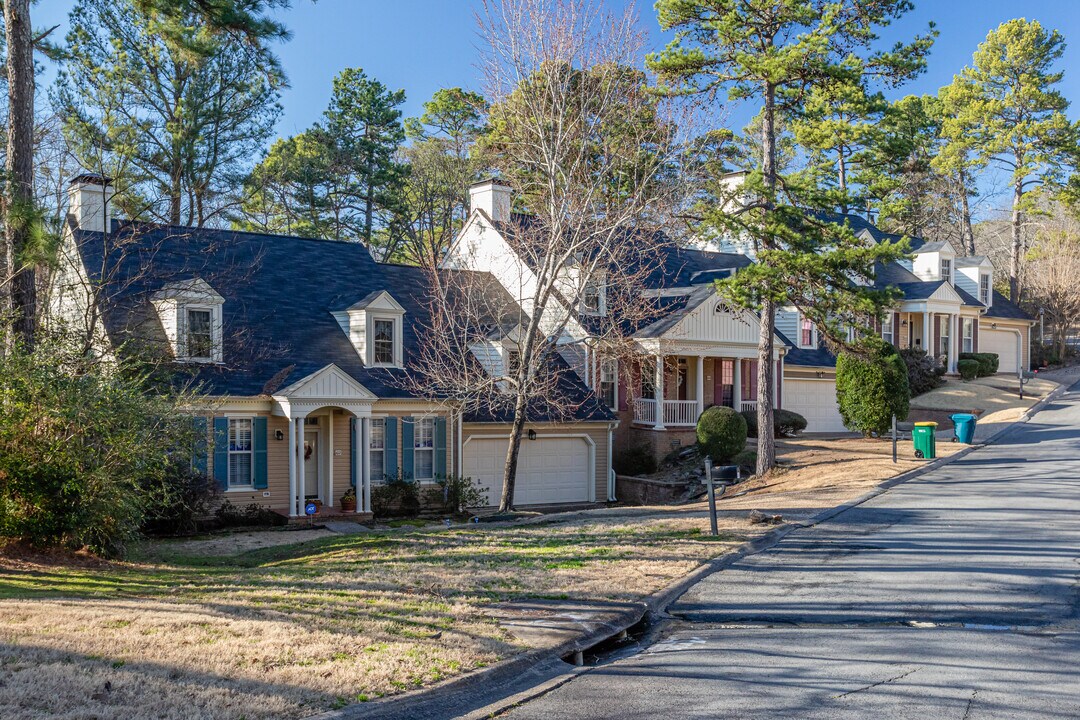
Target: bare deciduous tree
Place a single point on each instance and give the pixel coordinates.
(1051, 275)
(590, 154)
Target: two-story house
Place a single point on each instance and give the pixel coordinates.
(301, 350)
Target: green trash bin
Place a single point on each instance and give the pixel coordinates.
(923, 435)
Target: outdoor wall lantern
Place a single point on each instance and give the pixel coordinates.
(279, 435)
(532, 434)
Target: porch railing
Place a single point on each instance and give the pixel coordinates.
(748, 405)
(677, 413)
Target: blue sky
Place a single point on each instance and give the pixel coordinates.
(424, 45)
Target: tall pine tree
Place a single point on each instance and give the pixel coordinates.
(1013, 113)
(776, 52)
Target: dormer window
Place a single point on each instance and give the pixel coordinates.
(374, 327)
(946, 270)
(592, 298)
(806, 332)
(200, 337)
(384, 341)
(513, 362)
(190, 312)
(984, 289)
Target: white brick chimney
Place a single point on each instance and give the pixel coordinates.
(89, 201)
(491, 197)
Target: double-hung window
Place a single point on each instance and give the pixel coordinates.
(946, 270)
(648, 378)
(984, 289)
(608, 370)
(806, 332)
(887, 329)
(513, 362)
(424, 449)
(240, 452)
(968, 335)
(377, 449)
(592, 301)
(384, 342)
(200, 339)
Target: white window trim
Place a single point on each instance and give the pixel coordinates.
(613, 364)
(989, 289)
(215, 332)
(891, 331)
(965, 325)
(813, 333)
(417, 423)
(396, 319)
(229, 486)
(371, 438)
(172, 303)
(944, 274)
(601, 300)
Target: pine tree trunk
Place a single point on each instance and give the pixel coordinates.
(369, 199)
(20, 168)
(968, 235)
(1017, 220)
(766, 445)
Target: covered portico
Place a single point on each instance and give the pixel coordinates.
(679, 380)
(327, 389)
(932, 324)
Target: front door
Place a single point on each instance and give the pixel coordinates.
(311, 464)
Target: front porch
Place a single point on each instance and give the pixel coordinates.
(672, 391)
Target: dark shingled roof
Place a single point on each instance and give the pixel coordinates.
(279, 294)
(807, 357)
(1003, 308)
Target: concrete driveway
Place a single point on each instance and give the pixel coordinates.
(956, 595)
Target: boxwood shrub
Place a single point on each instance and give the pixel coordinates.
(785, 423)
(969, 368)
(721, 433)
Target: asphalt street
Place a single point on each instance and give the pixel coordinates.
(955, 595)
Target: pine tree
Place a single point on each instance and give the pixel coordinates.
(777, 52)
(1016, 118)
(175, 130)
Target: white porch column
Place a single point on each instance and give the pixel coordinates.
(659, 424)
(301, 482)
(699, 384)
(357, 464)
(330, 462)
(736, 387)
(928, 333)
(292, 467)
(365, 457)
(954, 342)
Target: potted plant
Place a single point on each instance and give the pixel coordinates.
(348, 500)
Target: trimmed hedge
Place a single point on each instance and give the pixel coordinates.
(969, 368)
(988, 362)
(870, 390)
(721, 433)
(785, 423)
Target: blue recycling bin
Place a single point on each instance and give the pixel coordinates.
(963, 427)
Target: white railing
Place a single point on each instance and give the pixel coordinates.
(680, 412)
(645, 411)
(748, 405)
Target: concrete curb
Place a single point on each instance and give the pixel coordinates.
(545, 669)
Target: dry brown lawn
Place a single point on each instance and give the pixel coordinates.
(995, 398)
(289, 630)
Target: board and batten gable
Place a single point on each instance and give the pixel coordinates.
(712, 322)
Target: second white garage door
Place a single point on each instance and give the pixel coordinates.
(550, 470)
(1002, 342)
(815, 400)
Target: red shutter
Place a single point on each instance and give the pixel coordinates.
(627, 383)
(975, 335)
(937, 336)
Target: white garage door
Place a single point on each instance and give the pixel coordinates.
(815, 400)
(1002, 342)
(550, 470)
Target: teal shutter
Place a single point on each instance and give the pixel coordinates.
(221, 452)
(390, 450)
(200, 445)
(258, 442)
(352, 451)
(408, 446)
(440, 447)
